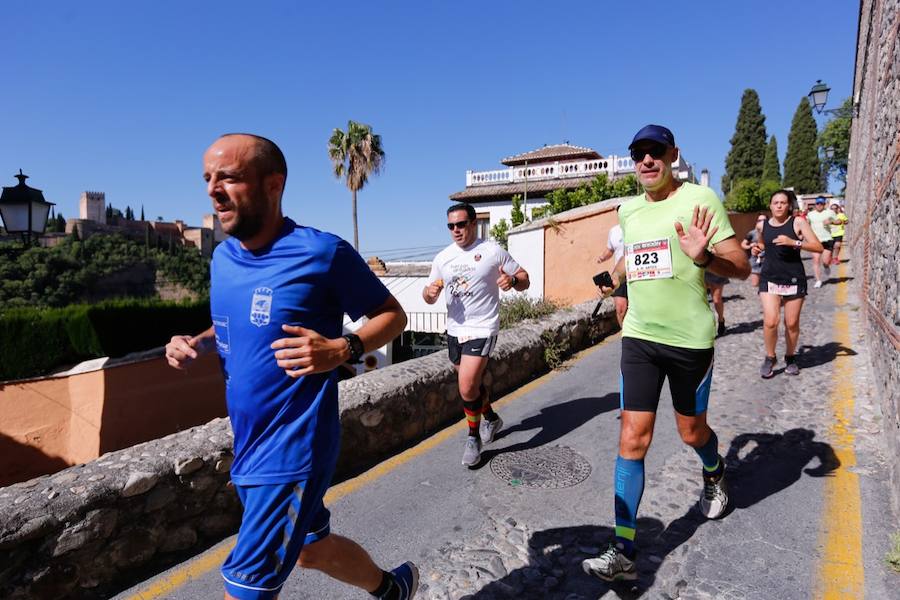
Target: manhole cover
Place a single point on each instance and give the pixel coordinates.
(547, 467)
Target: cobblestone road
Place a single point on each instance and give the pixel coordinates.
(774, 434)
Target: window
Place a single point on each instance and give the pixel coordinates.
(483, 225)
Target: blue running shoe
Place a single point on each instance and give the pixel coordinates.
(406, 576)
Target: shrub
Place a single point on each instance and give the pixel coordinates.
(518, 308)
(35, 341)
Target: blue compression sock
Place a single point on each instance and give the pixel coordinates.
(629, 489)
(709, 453)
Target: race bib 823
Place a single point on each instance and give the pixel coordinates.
(651, 259)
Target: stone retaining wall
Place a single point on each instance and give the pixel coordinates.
(873, 205)
(95, 528)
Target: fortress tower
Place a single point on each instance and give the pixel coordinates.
(92, 207)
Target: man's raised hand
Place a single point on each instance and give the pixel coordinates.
(695, 240)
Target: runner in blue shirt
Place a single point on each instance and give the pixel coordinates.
(278, 295)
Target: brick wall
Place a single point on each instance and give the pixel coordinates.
(873, 204)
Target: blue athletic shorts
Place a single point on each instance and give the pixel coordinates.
(278, 520)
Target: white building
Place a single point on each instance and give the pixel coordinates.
(532, 175)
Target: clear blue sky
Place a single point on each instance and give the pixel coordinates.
(123, 97)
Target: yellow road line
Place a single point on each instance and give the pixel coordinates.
(841, 569)
(211, 560)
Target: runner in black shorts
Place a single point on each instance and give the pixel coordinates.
(783, 279)
(470, 273)
(669, 233)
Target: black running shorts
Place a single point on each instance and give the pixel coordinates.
(646, 364)
(470, 346)
(621, 291)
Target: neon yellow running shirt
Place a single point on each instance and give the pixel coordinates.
(837, 227)
(666, 293)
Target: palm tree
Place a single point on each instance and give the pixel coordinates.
(356, 154)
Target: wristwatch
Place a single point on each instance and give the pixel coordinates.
(798, 244)
(513, 281)
(709, 258)
(356, 347)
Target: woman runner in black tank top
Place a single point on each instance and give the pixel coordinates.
(782, 266)
(782, 282)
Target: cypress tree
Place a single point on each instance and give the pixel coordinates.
(771, 167)
(142, 213)
(748, 144)
(801, 163)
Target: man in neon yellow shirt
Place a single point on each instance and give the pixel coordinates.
(668, 331)
(837, 232)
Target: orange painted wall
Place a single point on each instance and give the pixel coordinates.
(570, 257)
(49, 424)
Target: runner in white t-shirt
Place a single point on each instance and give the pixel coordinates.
(615, 248)
(473, 272)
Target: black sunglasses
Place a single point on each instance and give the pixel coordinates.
(656, 151)
(458, 225)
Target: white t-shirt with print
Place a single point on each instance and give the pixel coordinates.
(616, 243)
(470, 286)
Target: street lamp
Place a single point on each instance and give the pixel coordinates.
(818, 95)
(829, 152)
(24, 209)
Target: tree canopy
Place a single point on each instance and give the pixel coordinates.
(599, 189)
(836, 134)
(355, 155)
(748, 144)
(802, 170)
(771, 166)
(69, 272)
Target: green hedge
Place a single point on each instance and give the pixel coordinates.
(33, 342)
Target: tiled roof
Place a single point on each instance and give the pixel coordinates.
(507, 190)
(551, 153)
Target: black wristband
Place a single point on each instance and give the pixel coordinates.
(356, 347)
(709, 258)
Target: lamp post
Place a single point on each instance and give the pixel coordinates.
(24, 209)
(829, 152)
(818, 96)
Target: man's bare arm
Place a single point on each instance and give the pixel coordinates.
(729, 260)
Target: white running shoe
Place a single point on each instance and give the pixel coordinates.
(817, 284)
(714, 498)
(472, 452)
(487, 430)
(611, 565)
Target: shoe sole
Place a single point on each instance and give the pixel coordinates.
(629, 576)
(415, 580)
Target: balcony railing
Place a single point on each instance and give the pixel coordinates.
(614, 166)
(611, 165)
(426, 322)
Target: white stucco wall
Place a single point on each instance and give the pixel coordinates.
(502, 209)
(527, 247)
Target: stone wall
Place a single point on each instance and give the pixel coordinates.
(96, 528)
(873, 204)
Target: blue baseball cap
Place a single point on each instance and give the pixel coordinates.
(656, 133)
(820, 200)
